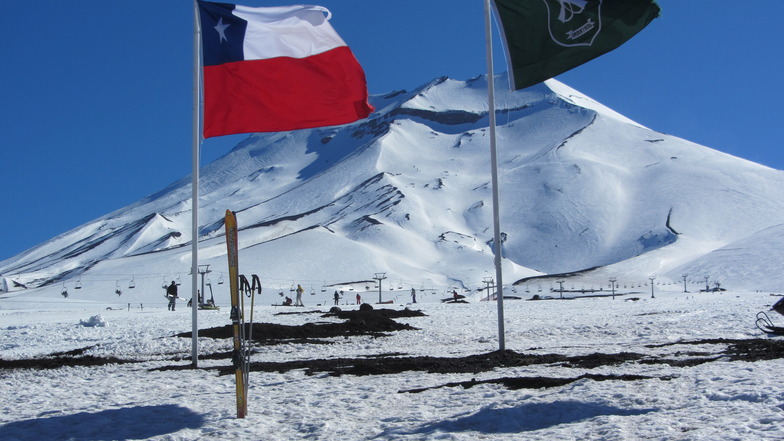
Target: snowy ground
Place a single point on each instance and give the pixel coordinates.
(721, 399)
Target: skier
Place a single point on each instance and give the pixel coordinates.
(299, 296)
(413, 295)
(190, 302)
(171, 294)
(337, 297)
(359, 299)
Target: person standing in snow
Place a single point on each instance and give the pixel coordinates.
(413, 295)
(171, 294)
(337, 297)
(299, 296)
(201, 301)
(359, 299)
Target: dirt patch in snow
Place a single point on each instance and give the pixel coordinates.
(375, 322)
(380, 323)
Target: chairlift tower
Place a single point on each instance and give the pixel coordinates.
(612, 283)
(560, 286)
(203, 270)
(652, 278)
(684, 276)
(380, 277)
(489, 282)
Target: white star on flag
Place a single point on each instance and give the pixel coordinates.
(221, 28)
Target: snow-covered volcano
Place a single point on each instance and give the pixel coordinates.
(407, 192)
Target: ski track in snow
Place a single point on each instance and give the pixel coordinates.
(721, 399)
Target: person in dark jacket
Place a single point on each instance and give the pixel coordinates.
(171, 294)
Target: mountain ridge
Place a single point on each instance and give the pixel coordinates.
(407, 192)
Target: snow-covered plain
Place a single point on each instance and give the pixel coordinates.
(719, 399)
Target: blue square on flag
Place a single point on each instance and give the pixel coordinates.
(222, 34)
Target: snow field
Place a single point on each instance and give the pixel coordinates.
(720, 399)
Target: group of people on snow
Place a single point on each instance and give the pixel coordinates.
(171, 294)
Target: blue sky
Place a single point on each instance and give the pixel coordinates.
(97, 95)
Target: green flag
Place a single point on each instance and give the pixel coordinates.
(544, 38)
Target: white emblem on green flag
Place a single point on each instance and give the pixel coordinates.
(574, 22)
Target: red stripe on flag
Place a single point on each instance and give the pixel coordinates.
(281, 94)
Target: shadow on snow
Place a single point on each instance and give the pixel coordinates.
(140, 422)
(527, 417)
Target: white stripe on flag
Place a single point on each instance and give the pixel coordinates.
(287, 31)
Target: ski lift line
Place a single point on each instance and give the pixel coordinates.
(141, 279)
(137, 277)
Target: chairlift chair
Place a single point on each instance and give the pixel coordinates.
(78, 284)
(212, 298)
(131, 284)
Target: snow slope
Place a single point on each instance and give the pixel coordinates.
(406, 192)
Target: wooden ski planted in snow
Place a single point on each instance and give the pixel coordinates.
(239, 356)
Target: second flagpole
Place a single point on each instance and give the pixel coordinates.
(494, 170)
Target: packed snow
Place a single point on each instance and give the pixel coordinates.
(721, 398)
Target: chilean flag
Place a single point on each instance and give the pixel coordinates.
(276, 69)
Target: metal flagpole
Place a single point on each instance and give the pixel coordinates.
(494, 166)
(195, 184)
